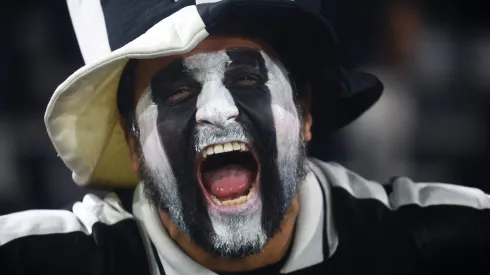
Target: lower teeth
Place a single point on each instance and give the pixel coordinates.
(237, 201)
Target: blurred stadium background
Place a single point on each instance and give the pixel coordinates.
(432, 123)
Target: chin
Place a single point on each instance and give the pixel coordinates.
(230, 195)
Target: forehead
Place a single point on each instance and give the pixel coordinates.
(147, 68)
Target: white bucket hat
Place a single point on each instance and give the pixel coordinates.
(82, 117)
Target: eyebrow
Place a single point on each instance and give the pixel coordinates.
(241, 56)
(173, 70)
(172, 75)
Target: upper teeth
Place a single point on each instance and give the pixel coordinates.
(223, 148)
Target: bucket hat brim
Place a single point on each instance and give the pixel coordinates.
(82, 117)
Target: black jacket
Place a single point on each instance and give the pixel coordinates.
(346, 225)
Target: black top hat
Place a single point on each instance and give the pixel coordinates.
(82, 115)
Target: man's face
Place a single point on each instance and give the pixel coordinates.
(219, 142)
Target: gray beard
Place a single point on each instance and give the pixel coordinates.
(235, 236)
(163, 194)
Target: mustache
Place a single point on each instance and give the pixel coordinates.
(209, 135)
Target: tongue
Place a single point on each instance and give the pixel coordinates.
(228, 182)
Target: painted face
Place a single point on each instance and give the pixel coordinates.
(221, 147)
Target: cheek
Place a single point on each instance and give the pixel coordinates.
(155, 156)
(175, 127)
(153, 152)
(287, 126)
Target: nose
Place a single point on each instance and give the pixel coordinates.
(218, 112)
(215, 104)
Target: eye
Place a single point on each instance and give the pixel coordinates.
(180, 94)
(247, 80)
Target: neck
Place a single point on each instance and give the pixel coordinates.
(272, 253)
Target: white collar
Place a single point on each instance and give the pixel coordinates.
(307, 248)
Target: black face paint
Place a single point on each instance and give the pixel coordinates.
(256, 113)
(183, 92)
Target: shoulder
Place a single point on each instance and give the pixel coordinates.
(95, 233)
(402, 221)
(85, 215)
(421, 208)
(399, 191)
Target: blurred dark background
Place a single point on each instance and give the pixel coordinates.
(432, 124)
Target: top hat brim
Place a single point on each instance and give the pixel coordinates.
(82, 117)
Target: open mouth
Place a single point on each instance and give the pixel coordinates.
(228, 173)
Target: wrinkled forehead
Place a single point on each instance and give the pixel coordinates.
(212, 66)
(219, 60)
(210, 57)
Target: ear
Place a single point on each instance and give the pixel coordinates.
(131, 144)
(307, 128)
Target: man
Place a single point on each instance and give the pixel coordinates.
(207, 105)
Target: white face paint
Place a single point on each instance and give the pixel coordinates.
(215, 104)
(155, 157)
(286, 120)
(216, 109)
(216, 114)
